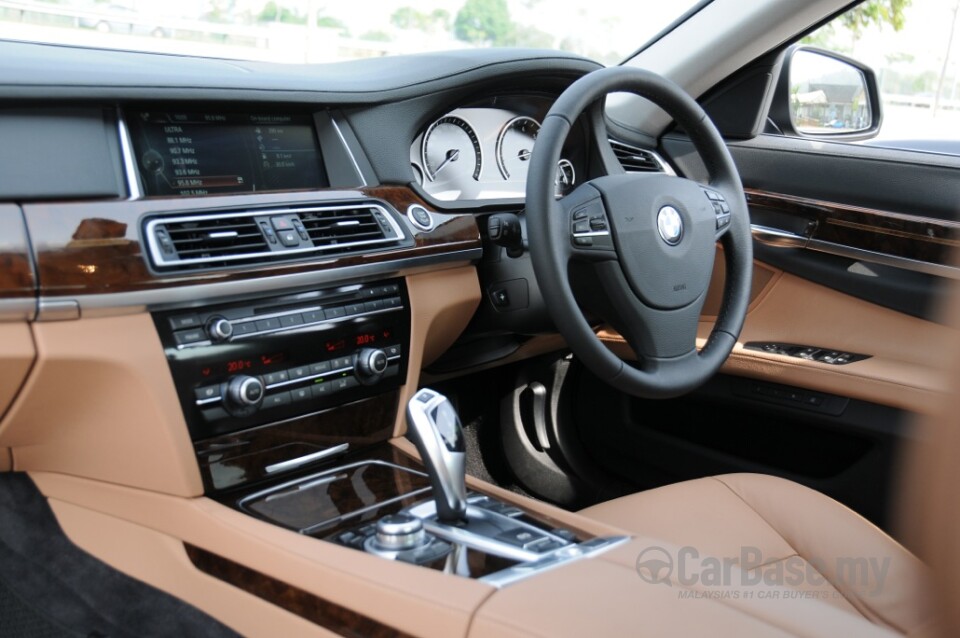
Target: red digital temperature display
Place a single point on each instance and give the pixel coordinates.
(238, 365)
(360, 339)
(370, 338)
(235, 366)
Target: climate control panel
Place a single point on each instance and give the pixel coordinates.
(251, 363)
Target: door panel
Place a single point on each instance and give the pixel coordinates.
(905, 368)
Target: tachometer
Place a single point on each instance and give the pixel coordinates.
(450, 146)
(514, 146)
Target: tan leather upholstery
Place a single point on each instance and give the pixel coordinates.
(762, 521)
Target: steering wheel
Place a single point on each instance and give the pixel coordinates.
(647, 243)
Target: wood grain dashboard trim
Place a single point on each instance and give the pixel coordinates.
(94, 248)
(896, 235)
(320, 611)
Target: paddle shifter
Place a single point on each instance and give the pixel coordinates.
(434, 427)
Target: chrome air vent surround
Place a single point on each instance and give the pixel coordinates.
(248, 237)
(639, 160)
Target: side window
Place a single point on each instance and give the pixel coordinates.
(909, 46)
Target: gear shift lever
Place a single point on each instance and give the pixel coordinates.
(434, 427)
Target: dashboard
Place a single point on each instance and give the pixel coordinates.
(223, 276)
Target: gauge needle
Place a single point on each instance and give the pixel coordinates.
(452, 156)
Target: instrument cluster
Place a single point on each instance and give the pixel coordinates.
(483, 152)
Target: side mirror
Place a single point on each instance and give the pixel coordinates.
(825, 95)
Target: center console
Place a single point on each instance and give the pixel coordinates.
(290, 402)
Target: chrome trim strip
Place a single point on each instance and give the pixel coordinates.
(199, 295)
(353, 159)
(593, 233)
(776, 237)
(297, 481)
(309, 458)
(785, 239)
(905, 263)
(160, 261)
(57, 310)
(19, 309)
(129, 164)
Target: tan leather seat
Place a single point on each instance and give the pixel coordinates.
(782, 534)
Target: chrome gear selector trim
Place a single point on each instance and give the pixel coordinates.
(434, 427)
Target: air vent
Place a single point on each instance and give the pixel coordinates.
(638, 160)
(211, 238)
(240, 238)
(344, 226)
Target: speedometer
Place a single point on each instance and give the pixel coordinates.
(515, 145)
(450, 147)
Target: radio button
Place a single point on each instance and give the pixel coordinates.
(392, 302)
(182, 322)
(246, 328)
(314, 316)
(268, 324)
(288, 321)
(186, 337)
(354, 309)
(335, 313)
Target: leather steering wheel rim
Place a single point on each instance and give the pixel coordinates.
(659, 325)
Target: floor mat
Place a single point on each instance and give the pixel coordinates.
(50, 587)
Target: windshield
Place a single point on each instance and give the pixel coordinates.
(309, 31)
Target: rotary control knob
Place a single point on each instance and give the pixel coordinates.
(399, 532)
(219, 328)
(244, 395)
(371, 364)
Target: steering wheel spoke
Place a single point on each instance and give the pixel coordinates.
(721, 210)
(588, 226)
